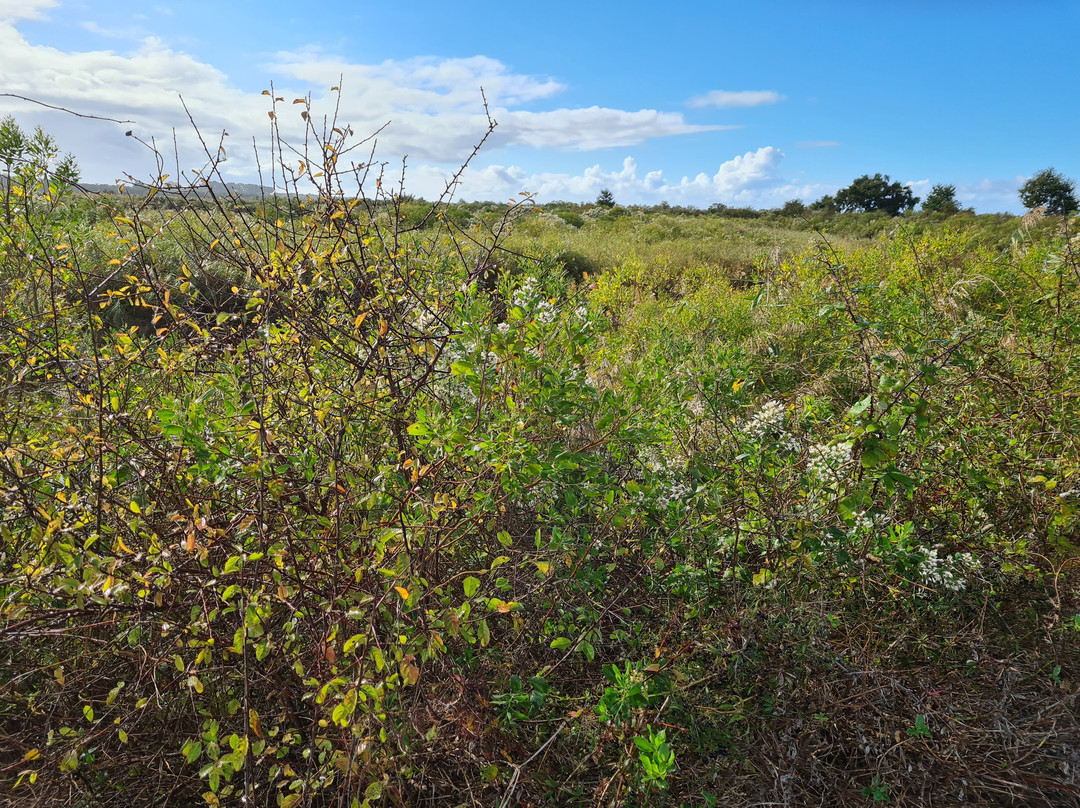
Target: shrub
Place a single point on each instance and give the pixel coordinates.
(1051, 190)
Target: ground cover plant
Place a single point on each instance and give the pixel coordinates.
(345, 499)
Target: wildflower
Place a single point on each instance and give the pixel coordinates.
(825, 460)
(945, 572)
(769, 420)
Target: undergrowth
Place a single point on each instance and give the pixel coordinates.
(319, 503)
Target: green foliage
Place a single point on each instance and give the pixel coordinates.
(33, 168)
(605, 199)
(331, 500)
(876, 193)
(793, 207)
(657, 759)
(828, 204)
(1049, 189)
(941, 199)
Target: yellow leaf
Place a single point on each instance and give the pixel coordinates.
(33, 754)
(402, 591)
(124, 547)
(134, 506)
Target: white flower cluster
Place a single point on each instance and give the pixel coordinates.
(529, 299)
(671, 488)
(769, 422)
(945, 572)
(826, 459)
(864, 522)
(696, 406)
(674, 491)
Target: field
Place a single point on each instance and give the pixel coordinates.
(348, 500)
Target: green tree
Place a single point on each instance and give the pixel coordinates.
(876, 193)
(606, 199)
(941, 199)
(32, 163)
(1050, 189)
(12, 147)
(827, 204)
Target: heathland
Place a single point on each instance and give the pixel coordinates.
(347, 499)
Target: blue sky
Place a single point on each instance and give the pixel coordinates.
(690, 103)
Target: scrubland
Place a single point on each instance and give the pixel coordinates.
(333, 500)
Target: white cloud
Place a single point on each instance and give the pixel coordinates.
(129, 33)
(592, 128)
(11, 10)
(434, 106)
(989, 195)
(416, 85)
(725, 99)
(751, 179)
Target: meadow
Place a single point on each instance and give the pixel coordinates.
(349, 499)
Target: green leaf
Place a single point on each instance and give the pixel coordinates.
(559, 643)
(461, 369)
(192, 750)
(860, 407)
(353, 641)
(470, 585)
(70, 761)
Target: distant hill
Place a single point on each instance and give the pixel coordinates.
(243, 190)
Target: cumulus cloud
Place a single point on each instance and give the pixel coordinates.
(751, 179)
(433, 105)
(11, 10)
(725, 99)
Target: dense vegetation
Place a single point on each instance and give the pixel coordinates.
(356, 500)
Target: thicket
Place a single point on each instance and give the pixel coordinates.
(359, 507)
